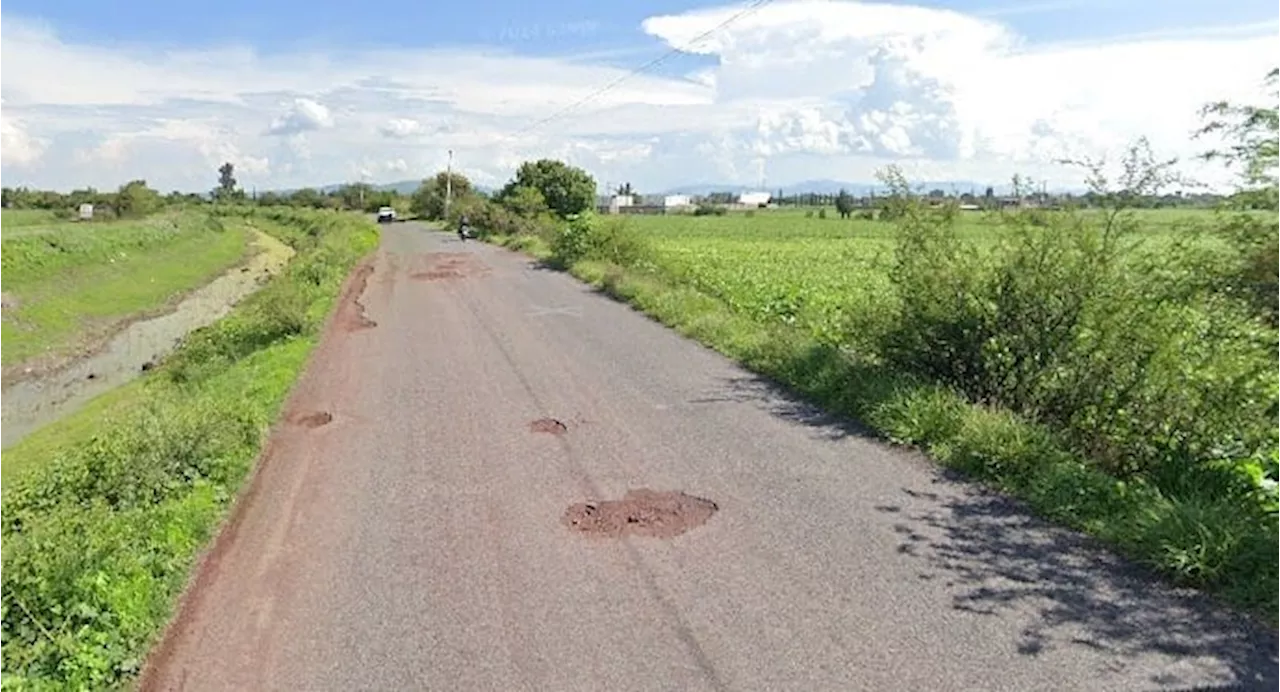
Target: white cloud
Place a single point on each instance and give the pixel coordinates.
(814, 88)
(304, 116)
(400, 128)
(17, 147)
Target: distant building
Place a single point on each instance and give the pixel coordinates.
(674, 201)
(617, 202)
(754, 199)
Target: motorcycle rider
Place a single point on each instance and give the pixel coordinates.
(462, 227)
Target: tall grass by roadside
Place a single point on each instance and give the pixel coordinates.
(98, 541)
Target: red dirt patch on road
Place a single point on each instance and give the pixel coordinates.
(450, 265)
(312, 420)
(658, 514)
(548, 425)
(347, 315)
(351, 315)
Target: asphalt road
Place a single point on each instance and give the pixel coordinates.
(415, 541)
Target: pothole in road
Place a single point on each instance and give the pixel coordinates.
(314, 420)
(643, 512)
(548, 425)
(443, 266)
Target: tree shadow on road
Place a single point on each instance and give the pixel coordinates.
(993, 555)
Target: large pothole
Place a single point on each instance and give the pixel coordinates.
(643, 512)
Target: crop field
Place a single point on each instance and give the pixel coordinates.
(811, 272)
(65, 282)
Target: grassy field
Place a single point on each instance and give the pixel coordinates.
(807, 302)
(104, 523)
(781, 266)
(19, 218)
(67, 284)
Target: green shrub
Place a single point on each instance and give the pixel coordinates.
(1072, 325)
(592, 237)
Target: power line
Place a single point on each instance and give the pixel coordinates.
(752, 7)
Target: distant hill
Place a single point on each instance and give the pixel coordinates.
(403, 187)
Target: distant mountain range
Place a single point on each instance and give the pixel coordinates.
(403, 187)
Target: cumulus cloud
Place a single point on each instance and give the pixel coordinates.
(899, 81)
(17, 147)
(304, 116)
(805, 88)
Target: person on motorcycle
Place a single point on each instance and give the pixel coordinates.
(462, 226)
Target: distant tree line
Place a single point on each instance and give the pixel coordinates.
(539, 188)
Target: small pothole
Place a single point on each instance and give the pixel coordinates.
(314, 420)
(643, 512)
(548, 425)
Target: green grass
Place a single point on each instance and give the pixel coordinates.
(72, 282)
(19, 218)
(106, 515)
(64, 435)
(785, 295)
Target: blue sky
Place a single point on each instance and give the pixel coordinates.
(326, 91)
(558, 27)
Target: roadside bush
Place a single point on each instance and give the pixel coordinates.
(1070, 324)
(591, 237)
(708, 209)
(491, 218)
(1250, 269)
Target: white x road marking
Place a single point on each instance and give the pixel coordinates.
(569, 310)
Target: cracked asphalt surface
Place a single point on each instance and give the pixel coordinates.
(412, 540)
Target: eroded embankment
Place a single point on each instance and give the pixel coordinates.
(32, 403)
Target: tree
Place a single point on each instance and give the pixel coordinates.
(525, 201)
(1252, 139)
(844, 203)
(306, 197)
(624, 190)
(226, 189)
(567, 189)
(428, 200)
(136, 199)
(1252, 135)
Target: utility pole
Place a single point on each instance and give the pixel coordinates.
(448, 184)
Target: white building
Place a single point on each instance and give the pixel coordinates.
(671, 201)
(754, 199)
